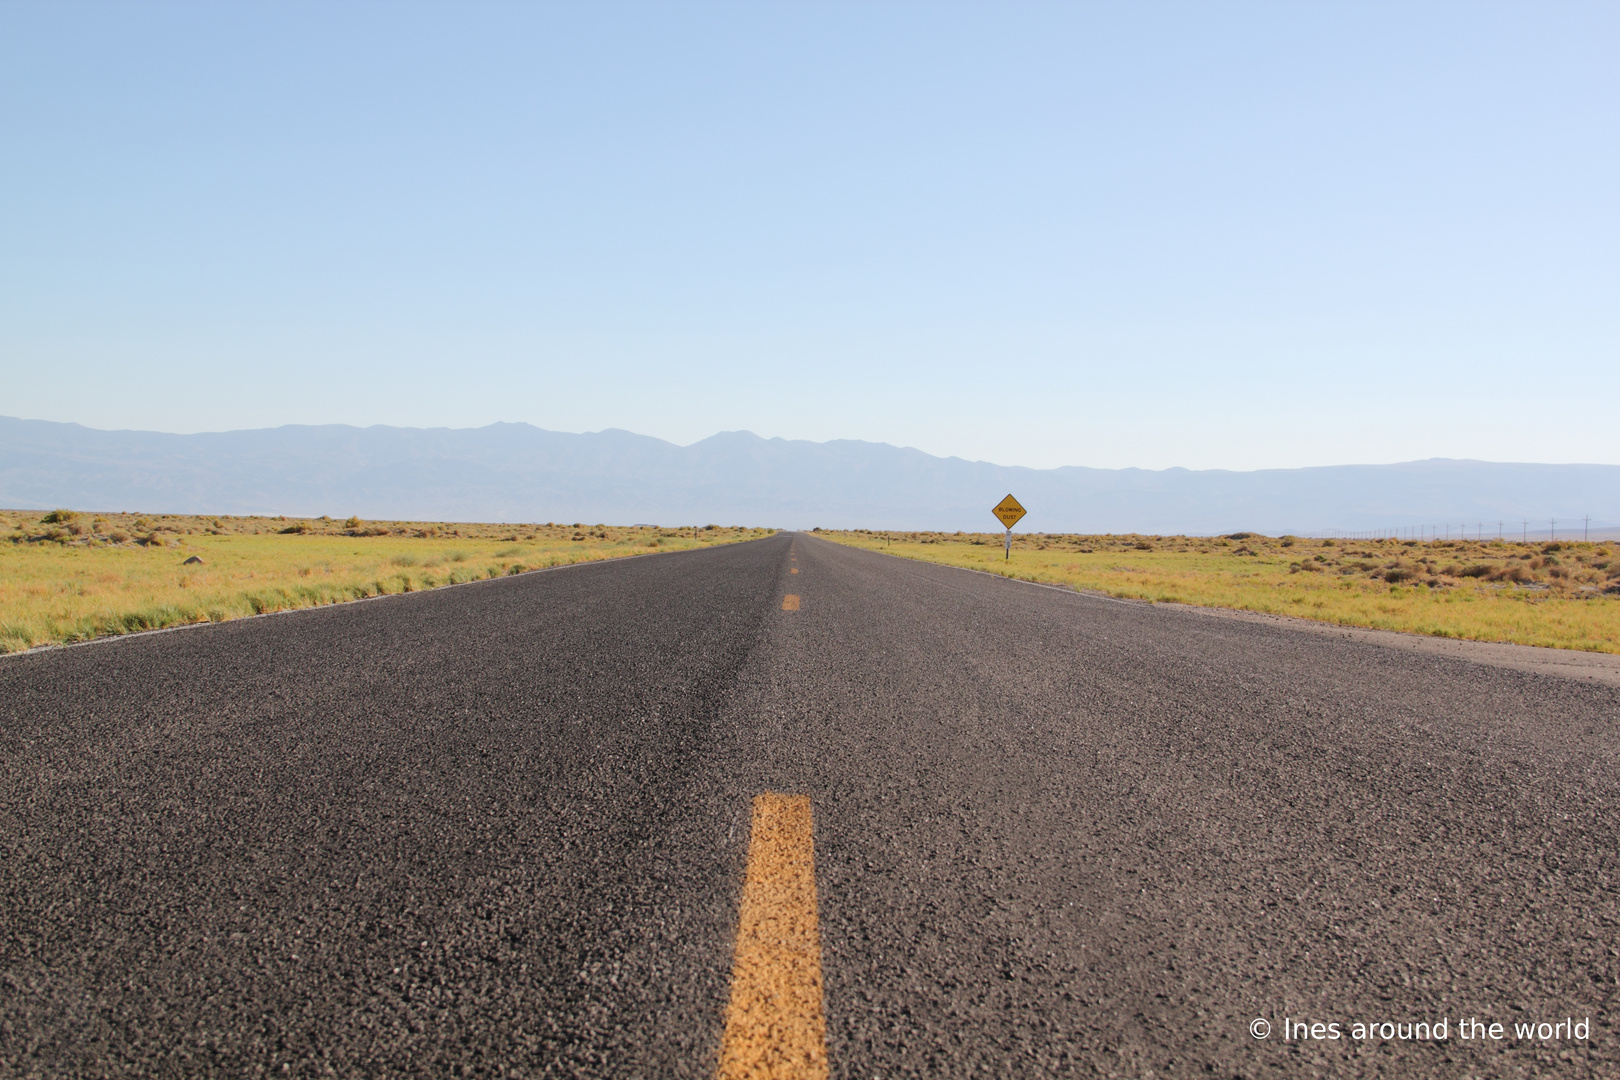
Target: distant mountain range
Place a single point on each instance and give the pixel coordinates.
(515, 472)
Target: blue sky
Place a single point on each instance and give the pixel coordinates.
(1210, 235)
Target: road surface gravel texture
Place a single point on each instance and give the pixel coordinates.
(499, 830)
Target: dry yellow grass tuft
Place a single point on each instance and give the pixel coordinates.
(1564, 595)
(67, 576)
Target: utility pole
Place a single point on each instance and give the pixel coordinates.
(1586, 527)
(1552, 528)
(1526, 538)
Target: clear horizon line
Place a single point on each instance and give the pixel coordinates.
(813, 442)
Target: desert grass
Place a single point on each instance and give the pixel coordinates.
(1564, 595)
(67, 577)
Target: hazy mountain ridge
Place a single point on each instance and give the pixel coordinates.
(516, 472)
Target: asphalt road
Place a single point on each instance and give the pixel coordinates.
(499, 830)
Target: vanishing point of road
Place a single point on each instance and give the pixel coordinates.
(504, 830)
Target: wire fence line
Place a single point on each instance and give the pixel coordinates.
(1521, 530)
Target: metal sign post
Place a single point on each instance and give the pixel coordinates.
(1008, 511)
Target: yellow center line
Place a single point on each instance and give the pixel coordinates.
(790, 602)
(795, 570)
(774, 1024)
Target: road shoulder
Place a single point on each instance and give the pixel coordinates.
(1601, 668)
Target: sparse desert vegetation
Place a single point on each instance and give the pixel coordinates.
(69, 576)
(1560, 594)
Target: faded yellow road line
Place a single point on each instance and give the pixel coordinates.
(795, 570)
(790, 602)
(774, 1025)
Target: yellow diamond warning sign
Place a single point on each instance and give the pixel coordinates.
(1008, 511)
